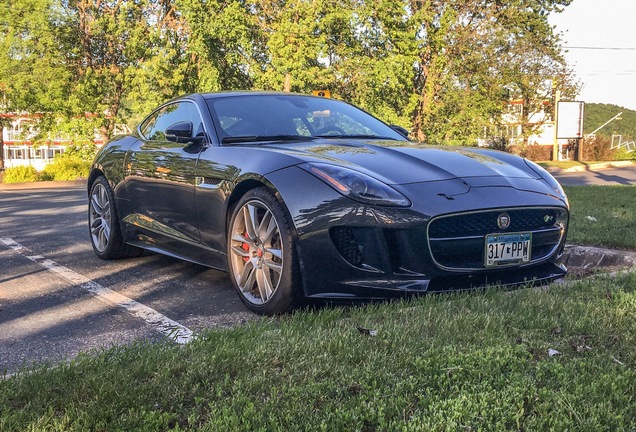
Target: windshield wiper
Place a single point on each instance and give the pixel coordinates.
(358, 136)
(259, 138)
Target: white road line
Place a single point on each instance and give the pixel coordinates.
(163, 324)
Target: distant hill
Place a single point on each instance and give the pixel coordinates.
(596, 114)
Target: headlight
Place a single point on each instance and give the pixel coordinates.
(548, 178)
(356, 185)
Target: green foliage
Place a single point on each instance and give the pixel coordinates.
(20, 174)
(597, 114)
(444, 70)
(599, 148)
(472, 361)
(110, 41)
(85, 151)
(33, 69)
(66, 168)
(622, 154)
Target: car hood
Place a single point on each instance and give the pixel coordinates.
(396, 162)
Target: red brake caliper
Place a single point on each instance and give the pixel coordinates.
(245, 247)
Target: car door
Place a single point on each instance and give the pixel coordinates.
(161, 179)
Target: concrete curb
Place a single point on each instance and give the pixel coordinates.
(588, 257)
(593, 167)
(43, 185)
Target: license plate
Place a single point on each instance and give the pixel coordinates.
(507, 249)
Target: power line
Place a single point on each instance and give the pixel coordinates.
(600, 48)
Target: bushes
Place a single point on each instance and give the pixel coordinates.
(61, 169)
(534, 152)
(622, 154)
(598, 148)
(66, 168)
(20, 174)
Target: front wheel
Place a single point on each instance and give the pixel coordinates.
(261, 254)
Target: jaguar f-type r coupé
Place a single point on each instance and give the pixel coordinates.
(307, 197)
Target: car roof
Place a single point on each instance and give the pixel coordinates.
(215, 95)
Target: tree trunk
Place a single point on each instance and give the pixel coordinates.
(418, 123)
(287, 84)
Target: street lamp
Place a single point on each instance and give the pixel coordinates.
(616, 117)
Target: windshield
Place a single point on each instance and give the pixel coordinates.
(249, 118)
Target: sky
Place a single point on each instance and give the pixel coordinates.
(608, 74)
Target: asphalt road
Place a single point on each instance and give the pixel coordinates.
(611, 176)
(50, 309)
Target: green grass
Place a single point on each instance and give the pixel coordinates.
(447, 362)
(603, 216)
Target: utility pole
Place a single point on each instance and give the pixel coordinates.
(555, 147)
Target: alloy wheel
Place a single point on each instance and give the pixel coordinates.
(256, 252)
(100, 217)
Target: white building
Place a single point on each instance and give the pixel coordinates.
(539, 121)
(18, 144)
(20, 148)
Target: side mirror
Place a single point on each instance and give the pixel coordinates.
(399, 129)
(181, 132)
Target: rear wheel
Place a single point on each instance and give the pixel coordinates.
(103, 222)
(261, 254)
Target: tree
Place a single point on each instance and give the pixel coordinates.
(445, 69)
(533, 69)
(289, 44)
(4, 122)
(32, 72)
(471, 53)
(105, 44)
(352, 48)
(220, 46)
(375, 68)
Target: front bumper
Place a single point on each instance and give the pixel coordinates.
(369, 289)
(348, 249)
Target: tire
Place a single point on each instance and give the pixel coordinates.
(261, 254)
(103, 224)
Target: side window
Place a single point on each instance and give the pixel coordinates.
(154, 127)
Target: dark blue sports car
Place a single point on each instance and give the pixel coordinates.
(305, 197)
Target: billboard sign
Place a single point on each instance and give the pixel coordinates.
(570, 120)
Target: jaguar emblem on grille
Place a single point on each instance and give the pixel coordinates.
(503, 221)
